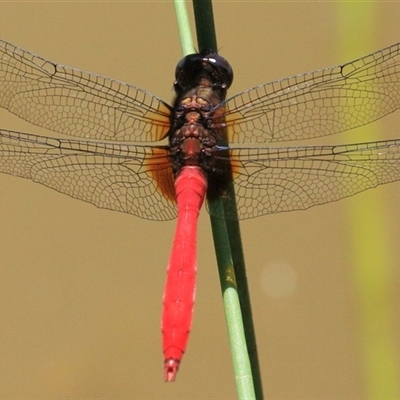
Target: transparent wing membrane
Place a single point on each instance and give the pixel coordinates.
(272, 180)
(77, 103)
(318, 103)
(108, 169)
(113, 176)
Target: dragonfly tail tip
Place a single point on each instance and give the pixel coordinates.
(171, 367)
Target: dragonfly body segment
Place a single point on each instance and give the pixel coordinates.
(196, 131)
(179, 293)
(109, 163)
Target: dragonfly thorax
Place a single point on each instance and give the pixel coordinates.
(194, 134)
(192, 143)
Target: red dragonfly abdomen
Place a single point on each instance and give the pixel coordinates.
(179, 294)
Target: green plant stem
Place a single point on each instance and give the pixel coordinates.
(230, 257)
(185, 33)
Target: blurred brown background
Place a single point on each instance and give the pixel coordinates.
(81, 288)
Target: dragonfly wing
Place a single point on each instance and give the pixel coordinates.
(133, 179)
(77, 103)
(318, 103)
(272, 180)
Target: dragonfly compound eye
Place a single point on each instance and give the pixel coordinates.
(207, 64)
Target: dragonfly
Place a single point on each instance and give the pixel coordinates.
(126, 150)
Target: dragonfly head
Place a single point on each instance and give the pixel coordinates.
(193, 69)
